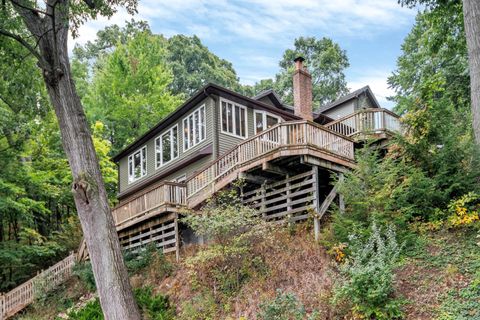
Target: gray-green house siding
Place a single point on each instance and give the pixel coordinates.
(220, 142)
(124, 186)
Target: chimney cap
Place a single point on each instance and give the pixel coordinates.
(299, 58)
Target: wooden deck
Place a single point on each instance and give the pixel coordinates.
(293, 138)
(368, 123)
(283, 140)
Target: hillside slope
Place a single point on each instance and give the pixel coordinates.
(435, 280)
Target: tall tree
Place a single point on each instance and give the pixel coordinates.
(46, 37)
(192, 63)
(326, 62)
(130, 92)
(471, 17)
(471, 13)
(433, 93)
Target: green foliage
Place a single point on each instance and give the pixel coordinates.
(326, 62)
(229, 261)
(201, 307)
(285, 306)
(388, 190)
(432, 87)
(91, 311)
(130, 93)
(462, 304)
(85, 273)
(368, 276)
(153, 307)
(222, 217)
(135, 262)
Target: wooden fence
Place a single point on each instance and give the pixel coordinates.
(23, 295)
(291, 133)
(366, 121)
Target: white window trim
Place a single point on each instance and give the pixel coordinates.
(194, 133)
(161, 164)
(233, 119)
(132, 179)
(264, 119)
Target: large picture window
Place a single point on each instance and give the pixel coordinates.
(166, 147)
(234, 119)
(137, 165)
(264, 121)
(194, 128)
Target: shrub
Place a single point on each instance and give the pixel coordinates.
(234, 230)
(137, 261)
(368, 276)
(285, 306)
(200, 307)
(85, 273)
(153, 307)
(464, 211)
(91, 311)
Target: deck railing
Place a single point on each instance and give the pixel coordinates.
(284, 134)
(25, 294)
(166, 193)
(368, 121)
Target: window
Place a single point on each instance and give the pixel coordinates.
(137, 165)
(264, 121)
(194, 128)
(234, 119)
(166, 147)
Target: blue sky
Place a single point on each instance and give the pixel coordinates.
(253, 34)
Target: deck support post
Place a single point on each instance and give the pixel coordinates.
(341, 202)
(316, 219)
(177, 240)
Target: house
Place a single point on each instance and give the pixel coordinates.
(286, 155)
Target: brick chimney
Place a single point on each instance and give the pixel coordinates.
(302, 90)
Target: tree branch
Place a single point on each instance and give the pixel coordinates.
(33, 10)
(26, 45)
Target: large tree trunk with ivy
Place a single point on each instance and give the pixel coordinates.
(471, 12)
(51, 33)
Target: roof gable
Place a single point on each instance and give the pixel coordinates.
(350, 96)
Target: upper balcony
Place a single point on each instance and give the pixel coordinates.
(366, 124)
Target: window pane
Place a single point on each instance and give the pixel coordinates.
(144, 161)
(258, 122)
(242, 122)
(137, 166)
(202, 122)
(191, 132)
(229, 118)
(166, 148)
(130, 168)
(185, 134)
(237, 120)
(197, 126)
(157, 152)
(175, 141)
(224, 116)
(271, 121)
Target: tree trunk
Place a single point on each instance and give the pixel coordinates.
(116, 297)
(471, 12)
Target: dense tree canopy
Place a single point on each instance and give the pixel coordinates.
(130, 92)
(326, 62)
